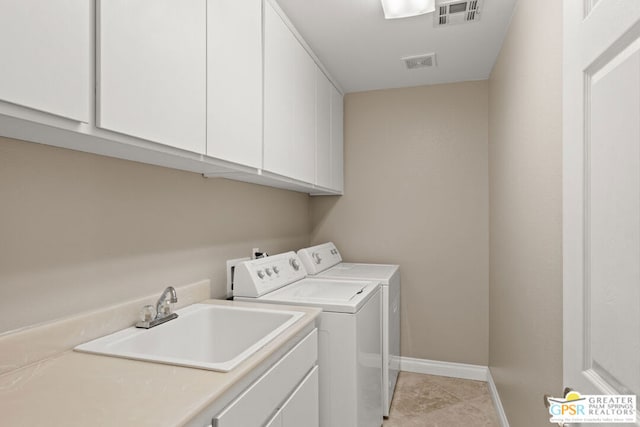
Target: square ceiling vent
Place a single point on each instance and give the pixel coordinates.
(427, 60)
(451, 12)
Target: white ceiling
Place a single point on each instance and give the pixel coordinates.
(362, 50)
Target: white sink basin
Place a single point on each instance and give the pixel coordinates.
(205, 336)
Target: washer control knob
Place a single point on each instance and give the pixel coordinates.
(260, 274)
(294, 263)
(317, 257)
(268, 271)
(276, 269)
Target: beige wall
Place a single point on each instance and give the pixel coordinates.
(79, 231)
(416, 194)
(525, 146)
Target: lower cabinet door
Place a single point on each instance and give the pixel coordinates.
(276, 421)
(263, 398)
(302, 407)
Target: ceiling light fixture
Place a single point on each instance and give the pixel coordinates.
(394, 9)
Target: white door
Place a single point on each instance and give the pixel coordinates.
(601, 186)
(151, 70)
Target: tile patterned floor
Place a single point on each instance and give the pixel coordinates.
(432, 401)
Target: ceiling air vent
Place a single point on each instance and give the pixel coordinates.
(450, 12)
(420, 61)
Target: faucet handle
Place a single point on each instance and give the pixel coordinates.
(165, 308)
(148, 313)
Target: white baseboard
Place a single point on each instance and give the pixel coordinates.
(444, 369)
(457, 370)
(497, 403)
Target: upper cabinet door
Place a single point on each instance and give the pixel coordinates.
(289, 102)
(337, 140)
(234, 85)
(304, 115)
(323, 130)
(151, 70)
(45, 47)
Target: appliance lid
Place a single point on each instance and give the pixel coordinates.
(381, 272)
(343, 296)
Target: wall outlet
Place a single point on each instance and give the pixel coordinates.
(231, 265)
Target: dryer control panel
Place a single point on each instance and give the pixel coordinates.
(260, 276)
(318, 258)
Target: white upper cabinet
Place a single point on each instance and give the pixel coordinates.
(151, 70)
(323, 130)
(219, 87)
(234, 81)
(45, 48)
(289, 102)
(337, 140)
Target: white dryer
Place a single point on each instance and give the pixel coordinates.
(325, 261)
(350, 346)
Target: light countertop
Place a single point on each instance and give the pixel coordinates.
(79, 389)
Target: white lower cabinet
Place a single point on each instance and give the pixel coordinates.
(285, 395)
(276, 421)
(301, 409)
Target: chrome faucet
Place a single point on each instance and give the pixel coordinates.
(151, 316)
(163, 308)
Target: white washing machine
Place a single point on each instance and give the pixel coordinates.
(325, 261)
(350, 346)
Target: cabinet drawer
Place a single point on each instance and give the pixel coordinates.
(302, 407)
(254, 406)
